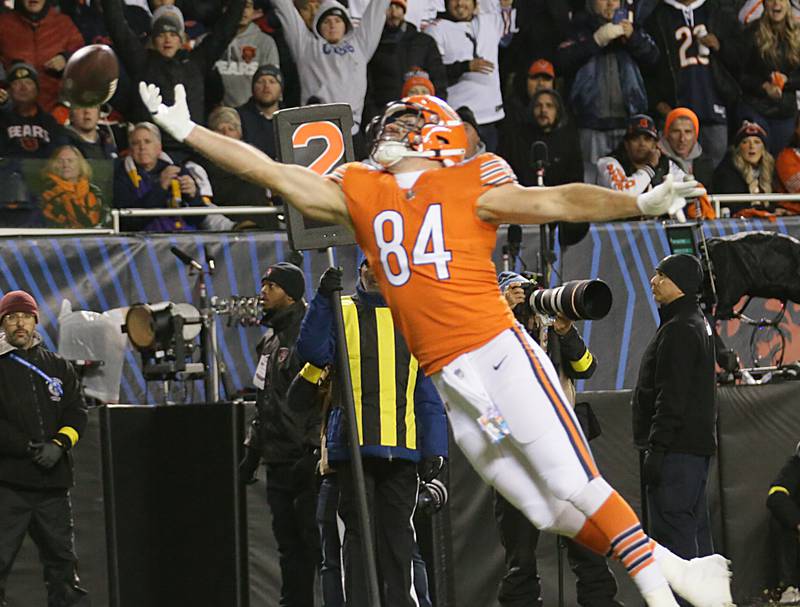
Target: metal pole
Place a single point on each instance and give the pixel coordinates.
(643, 494)
(345, 384)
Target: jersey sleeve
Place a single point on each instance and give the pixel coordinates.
(495, 172)
(337, 175)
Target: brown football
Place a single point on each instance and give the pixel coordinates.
(90, 76)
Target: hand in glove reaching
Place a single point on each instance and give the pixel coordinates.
(174, 119)
(669, 197)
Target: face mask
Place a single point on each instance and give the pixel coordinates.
(387, 153)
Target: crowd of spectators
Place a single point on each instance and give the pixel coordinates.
(601, 91)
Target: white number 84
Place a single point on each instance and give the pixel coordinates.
(428, 249)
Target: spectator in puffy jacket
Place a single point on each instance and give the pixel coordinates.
(38, 34)
(70, 199)
(401, 49)
(165, 63)
(771, 73)
(605, 52)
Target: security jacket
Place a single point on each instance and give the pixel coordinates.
(783, 499)
(31, 412)
(280, 439)
(400, 414)
(674, 407)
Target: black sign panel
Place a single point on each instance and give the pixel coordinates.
(318, 137)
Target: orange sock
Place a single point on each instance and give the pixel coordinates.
(592, 538)
(623, 534)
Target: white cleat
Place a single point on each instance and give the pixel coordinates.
(662, 597)
(706, 582)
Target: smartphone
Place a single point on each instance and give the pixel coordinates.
(620, 14)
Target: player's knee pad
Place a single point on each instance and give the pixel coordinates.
(593, 495)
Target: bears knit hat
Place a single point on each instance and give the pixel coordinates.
(267, 69)
(20, 70)
(337, 11)
(508, 278)
(684, 270)
(18, 301)
(288, 277)
(166, 18)
(682, 112)
(417, 76)
(750, 129)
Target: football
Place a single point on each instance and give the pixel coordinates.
(90, 76)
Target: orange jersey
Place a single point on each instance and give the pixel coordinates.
(431, 254)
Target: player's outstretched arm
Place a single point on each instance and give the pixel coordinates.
(312, 195)
(581, 202)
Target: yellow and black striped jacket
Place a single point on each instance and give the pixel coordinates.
(398, 411)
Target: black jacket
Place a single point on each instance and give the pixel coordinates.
(186, 67)
(257, 129)
(275, 430)
(518, 131)
(783, 499)
(756, 71)
(398, 51)
(30, 412)
(674, 407)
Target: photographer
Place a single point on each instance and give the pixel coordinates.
(520, 585)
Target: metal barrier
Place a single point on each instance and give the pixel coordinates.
(187, 212)
(719, 199)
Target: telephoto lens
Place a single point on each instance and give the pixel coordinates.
(576, 299)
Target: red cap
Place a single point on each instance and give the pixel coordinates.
(400, 3)
(541, 66)
(18, 301)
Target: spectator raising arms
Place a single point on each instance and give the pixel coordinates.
(332, 57)
(165, 62)
(605, 52)
(469, 41)
(771, 73)
(249, 49)
(38, 34)
(70, 200)
(748, 168)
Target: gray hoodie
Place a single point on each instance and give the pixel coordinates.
(244, 55)
(333, 73)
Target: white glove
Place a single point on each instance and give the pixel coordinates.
(668, 197)
(174, 119)
(606, 34)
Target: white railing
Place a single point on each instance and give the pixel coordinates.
(719, 199)
(189, 212)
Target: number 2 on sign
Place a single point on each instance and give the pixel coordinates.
(428, 248)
